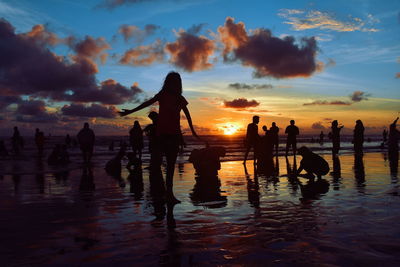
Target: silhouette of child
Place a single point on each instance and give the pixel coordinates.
(113, 166)
(171, 102)
(136, 138)
(206, 161)
(312, 163)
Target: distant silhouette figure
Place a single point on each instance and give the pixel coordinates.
(111, 146)
(312, 163)
(292, 131)
(394, 136)
(3, 149)
(321, 137)
(16, 141)
(171, 102)
(336, 136)
(136, 139)
(68, 140)
(274, 131)
(86, 140)
(252, 138)
(384, 135)
(358, 137)
(39, 140)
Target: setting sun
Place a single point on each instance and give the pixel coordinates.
(229, 129)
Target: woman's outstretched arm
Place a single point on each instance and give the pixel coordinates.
(141, 106)
(189, 119)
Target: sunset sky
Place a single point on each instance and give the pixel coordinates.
(64, 62)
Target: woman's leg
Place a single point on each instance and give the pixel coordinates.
(171, 153)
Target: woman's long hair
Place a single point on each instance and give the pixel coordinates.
(172, 83)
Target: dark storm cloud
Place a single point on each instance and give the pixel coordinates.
(358, 96)
(28, 67)
(245, 86)
(135, 33)
(241, 103)
(268, 55)
(94, 110)
(191, 52)
(317, 126)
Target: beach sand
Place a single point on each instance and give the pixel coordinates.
(70, 216)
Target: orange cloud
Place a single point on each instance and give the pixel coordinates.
(144, 55)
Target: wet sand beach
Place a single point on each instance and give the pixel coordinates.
(75, 216)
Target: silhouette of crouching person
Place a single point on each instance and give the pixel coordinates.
(312, 164)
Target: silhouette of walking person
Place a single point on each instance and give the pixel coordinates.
(292, 131)
(136, 139)
(336, 136)
(252, 138)
(274, 130)
(171, 102)
(394, 135)
(321, 137)
(86, 140)
(358, 137)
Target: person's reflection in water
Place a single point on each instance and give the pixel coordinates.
(171, 255)
(337, 172)
(292, 176)
(394, 165)
(87, 182)
(253, 193)
(206, 192)
(40, 176)
(359, 172)
(136, 180)
(313, 189)
(157, 193)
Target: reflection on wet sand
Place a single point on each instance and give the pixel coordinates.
(240, 217)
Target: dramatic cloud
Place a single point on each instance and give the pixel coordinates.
(317, 126)
(34, 111)
(144, 55)
(245, 86)
(94, 110)
(29, 68)
(328, 103)
(268, 55)
(109, 92)
(42, 36)
(135, 33)
(355, 97)
(191, 52)
(241, 103)
(314, 19)
(358, 96)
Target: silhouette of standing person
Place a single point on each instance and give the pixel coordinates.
(292, 131)
(358, 137)
(321, 137)
(336, 136)
(252, 138)
(136, 139)
(384, 135)
(86, 139)
(171, 102)
(150, 131)
(16, 141)
(274, 130)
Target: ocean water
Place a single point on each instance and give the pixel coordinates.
(69, 215)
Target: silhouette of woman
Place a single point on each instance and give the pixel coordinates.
(358, 137)
(171, 102)
(336, 136)
(136, 139)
